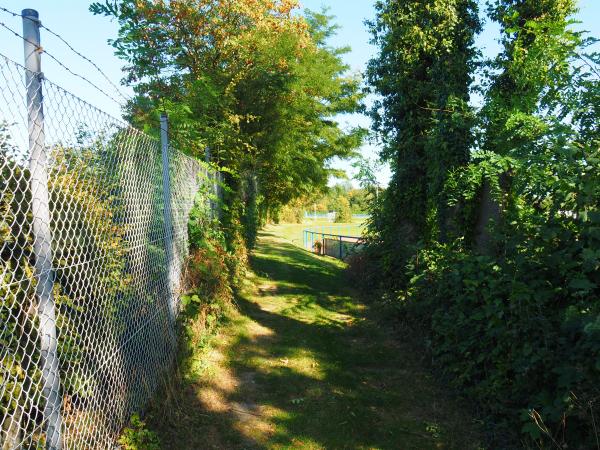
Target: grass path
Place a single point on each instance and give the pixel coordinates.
(304, 365)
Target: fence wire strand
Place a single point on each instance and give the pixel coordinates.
(109, 287)
(61, 64)
(70, 47)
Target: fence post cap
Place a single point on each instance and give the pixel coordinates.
(28, 12)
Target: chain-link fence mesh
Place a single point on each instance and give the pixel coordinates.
(90, 271)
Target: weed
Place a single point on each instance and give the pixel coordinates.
(137, 437)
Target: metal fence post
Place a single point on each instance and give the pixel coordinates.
(219, 202)
(213, 190)
(168, 218)
(42, 234)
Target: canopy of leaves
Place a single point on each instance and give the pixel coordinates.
(251, 79)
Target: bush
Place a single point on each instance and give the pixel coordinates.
(84, 225)
(207, 302)
(290, 214)
(344, 213)
(519, 329)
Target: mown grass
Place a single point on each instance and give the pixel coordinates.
(306, 365)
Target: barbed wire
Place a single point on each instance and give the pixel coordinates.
(58, 36)
(39, 48)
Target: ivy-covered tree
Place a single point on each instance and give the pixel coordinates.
(521, 304)
(533, 76)
(422, 76)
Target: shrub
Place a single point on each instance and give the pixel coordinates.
(518, 329)
(290, 214)
(344, 213)
(84, 211)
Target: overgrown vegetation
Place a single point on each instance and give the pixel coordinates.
(210, 277)
(86, 221)
(136, 436)
(487, 238)
(252, 87)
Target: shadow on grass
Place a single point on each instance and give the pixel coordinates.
(304, 367)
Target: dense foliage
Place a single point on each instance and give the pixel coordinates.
(253, 81)
(422, 76)
(491, 242)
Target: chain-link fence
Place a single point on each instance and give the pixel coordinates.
(93, 242)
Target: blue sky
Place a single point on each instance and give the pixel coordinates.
(89, 34)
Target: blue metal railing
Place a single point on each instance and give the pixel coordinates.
(333, 240)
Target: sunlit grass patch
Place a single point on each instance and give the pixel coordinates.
(304, 365)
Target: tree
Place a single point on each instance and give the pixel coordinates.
(343, 213)
(252, 79)
(367, 175)
(532, 76)
(524, 307)
(359, 200)
(422, 75)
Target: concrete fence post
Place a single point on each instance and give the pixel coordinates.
(168, 216)
(42, 234)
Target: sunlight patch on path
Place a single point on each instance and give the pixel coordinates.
(302, 366)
